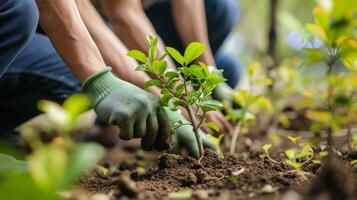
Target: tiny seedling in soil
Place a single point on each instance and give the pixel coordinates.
(188, 88)
(249, 104)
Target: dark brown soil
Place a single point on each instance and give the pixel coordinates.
(243, 176)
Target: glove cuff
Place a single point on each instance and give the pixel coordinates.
(99, 85)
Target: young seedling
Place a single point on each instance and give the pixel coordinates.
(336, 31)
(250, 103)
(266, 148)
(189, 87)
(55, 165)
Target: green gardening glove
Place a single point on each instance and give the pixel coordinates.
(137, 113)
(185, 137)
(223, 92)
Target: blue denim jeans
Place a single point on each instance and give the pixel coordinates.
(222, 16)
(36, 73)
(18, 22)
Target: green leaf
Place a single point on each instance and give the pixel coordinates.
(151, 83)
(314, 56)
(180, 89)
(48, 166)
(293, 164)
(82, 159)
(55, 112)
(138, 55)
(216, 80)
(317, 31)
(213, 126)
(163, 56)
(183, 194)
(152, 40)
(321, 17)
(142, 68)
(319, 116)
(172, 105)
(290, 154)
(153, 47)
(204, 68)
(196, 71)
(165, 99)
(266, 147)
(159, 66)
(293, 139)
(76, 104)
(10, 165)
(176, 55)
(210, 105)
(171, 74)
(193, 51)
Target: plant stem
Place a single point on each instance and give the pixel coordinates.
(235, 137)
(329, 107)
(193, 122)
(349, 133)
(195, 130)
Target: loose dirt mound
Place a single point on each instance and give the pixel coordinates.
(236, 176)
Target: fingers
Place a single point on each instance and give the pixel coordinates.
(208, 143)
(126, 130)
(225, 126)
(152, 127)
(228, 126)
(176, 146)
(140, 128)
(163, 140)
(218, 118)
(192, 149)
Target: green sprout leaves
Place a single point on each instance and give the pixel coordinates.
(66, 116)
(188, 88)
(193, 51)
(266, 148)
(138, 55)
(176, 55)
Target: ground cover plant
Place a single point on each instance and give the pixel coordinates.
(294, 133)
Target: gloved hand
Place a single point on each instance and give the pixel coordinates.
(223, 92)
(185, 137)
(137, 113)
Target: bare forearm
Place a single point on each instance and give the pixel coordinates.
(190, 21)
(131, 24)
(112, 50)
(61, 21)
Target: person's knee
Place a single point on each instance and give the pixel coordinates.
(231, 10)
(21, 18)
(232, 69)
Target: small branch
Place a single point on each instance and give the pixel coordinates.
(235, 137)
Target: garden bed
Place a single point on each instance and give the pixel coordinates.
(240, 176)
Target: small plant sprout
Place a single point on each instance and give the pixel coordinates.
(250, 103)
(294, 139)
(297, 157)
(336, 29)
(56, 165)
(266, 148)
(189, 87)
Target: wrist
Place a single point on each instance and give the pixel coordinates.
(99, 85)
